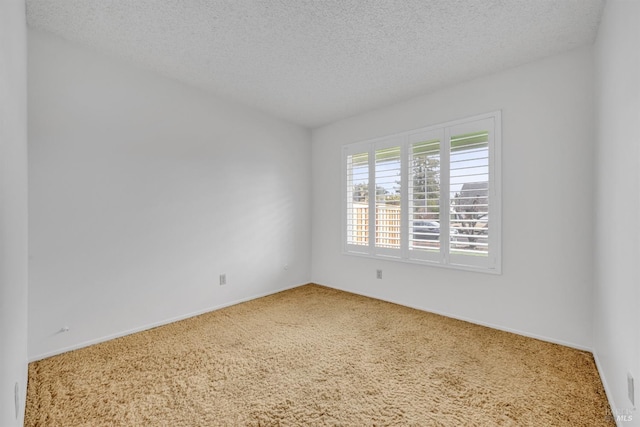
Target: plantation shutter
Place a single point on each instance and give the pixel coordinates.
(470, 189)
(388, 217)
(424, 196)
(357, 199)
(429, 196)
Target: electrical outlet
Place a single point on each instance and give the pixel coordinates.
(378, 274)
(223, 279)
(630, 389)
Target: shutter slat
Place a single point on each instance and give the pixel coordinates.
(469, 194)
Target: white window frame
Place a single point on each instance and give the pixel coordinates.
(492, 263)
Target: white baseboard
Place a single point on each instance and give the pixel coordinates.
(156, 324)
(474, 321)
(607, 389)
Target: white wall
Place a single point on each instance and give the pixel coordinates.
(545, 288)
(13, 211)
(143, 191)
(616, 296)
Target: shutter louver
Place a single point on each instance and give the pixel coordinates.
(424, 196)
(469, 194)
(387, 198)
(358, 199)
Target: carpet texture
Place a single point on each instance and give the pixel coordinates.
(314, 356)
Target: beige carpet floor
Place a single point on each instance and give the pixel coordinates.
(314, 356)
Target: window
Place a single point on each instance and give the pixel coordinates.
(430, 196)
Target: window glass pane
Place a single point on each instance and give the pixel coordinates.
(469, 194)
(388, 216)
(424, 196)
(358, 199)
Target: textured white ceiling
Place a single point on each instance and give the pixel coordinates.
(316, 61)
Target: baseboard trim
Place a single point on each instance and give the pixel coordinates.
(249, 298)
(465, 319)
(605, 385)
(156, 324)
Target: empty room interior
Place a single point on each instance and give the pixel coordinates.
(348, 212)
